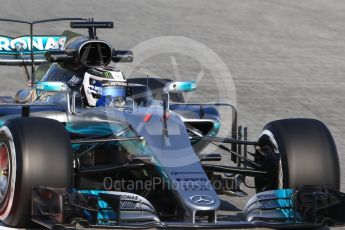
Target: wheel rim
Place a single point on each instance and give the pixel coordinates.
(4, 171)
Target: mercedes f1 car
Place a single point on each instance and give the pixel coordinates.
(85, 147)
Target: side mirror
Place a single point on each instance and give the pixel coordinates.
(58, 87)
(175, 87)
(179, 87)
(51, 86)
(125, 56)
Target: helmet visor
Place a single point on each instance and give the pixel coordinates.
(114, 91)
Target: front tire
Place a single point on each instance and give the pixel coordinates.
(38, 152)
(297, 152)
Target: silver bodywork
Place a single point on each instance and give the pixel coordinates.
(172, 153)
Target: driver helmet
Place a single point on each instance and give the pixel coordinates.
(104, 86)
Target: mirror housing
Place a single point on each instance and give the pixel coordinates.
(175, 87)
(179, 87)
(51, 86)
(58, 87)
(124, 56)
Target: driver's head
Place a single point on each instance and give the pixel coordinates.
(104, 86)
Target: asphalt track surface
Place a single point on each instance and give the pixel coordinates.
(286, 58)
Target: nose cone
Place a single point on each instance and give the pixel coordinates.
(177, 161)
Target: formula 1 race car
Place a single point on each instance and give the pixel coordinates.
(86, 147)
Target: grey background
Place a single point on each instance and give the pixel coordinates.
(286, 57)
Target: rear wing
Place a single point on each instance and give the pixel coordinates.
(34, 50)
(28, 50)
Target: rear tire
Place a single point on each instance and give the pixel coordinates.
(39, 154)
(297, 152)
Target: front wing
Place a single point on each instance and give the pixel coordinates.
(309, 206)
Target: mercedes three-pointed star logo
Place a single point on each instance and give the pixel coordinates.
(202, 199)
